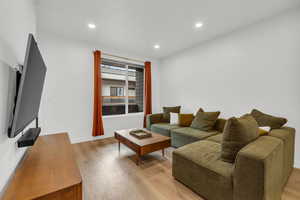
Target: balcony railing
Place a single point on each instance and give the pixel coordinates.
(117, 100)
(115, 105)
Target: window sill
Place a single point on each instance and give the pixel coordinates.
(123, 115)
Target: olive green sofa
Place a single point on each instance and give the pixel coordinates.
(180, 136)
(259, 172)
(155, 123)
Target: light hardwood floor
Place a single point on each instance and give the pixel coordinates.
(110, 175)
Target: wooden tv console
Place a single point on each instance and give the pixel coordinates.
(48, 171)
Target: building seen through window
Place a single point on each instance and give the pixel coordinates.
(122, 88)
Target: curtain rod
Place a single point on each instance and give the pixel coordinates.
(121, 57)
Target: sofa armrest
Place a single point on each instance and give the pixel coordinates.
(258, 170)
(152, 119)
(287, 135)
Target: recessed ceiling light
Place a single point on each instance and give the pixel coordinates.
(156, 46)
(92, 26)
(198, 25)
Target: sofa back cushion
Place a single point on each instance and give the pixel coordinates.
(205, 121)
(185, 120)
(168, 110)
(238, 132)
(268, 120)
(220, 124)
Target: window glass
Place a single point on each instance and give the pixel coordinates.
(122, 88)
(135, 89)
(113, 94)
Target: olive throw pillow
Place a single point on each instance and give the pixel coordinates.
(268, 120)
(185, 119)
(238, 132)
(168, 110)
(205, 121)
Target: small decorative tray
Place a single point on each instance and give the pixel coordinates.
(140, 133)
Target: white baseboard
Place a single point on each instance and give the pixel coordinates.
(297, 164)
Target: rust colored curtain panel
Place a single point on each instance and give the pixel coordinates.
(97, 121)
(148, 91)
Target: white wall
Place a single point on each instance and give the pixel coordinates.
(67, 103)
(256, 67)
(17, 19)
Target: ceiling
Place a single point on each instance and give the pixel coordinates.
(135, 26)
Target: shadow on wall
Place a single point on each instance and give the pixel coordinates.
(7, 86)
(10, 154)
(7, 94)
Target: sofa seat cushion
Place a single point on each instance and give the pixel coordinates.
(216, 138)
(187, 135)
(163, 128)
(199, 166)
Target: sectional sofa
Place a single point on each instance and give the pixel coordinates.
(260, 171)
(181, 136)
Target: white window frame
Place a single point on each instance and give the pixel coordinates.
(126, 90)
(126, 98)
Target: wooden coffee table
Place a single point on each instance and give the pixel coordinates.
(143, 146)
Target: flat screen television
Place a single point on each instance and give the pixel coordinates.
(30, 82)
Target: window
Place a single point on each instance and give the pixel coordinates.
(122, 87)
(117, 91)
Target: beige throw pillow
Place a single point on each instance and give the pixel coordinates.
(185, 120)
(174, 118)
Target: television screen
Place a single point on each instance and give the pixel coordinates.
(29, 89)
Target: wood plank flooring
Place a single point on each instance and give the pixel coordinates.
(110, 175)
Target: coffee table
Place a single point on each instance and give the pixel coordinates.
(142, 146)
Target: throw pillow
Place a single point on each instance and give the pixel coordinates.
(200, 111)
(174, 118)
(205, 121)
(185, 119)
(265, 128)
(262, 132)
(220, 124)
(238, 132)
(268, 120)
(167, 110)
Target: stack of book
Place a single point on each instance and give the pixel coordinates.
(140, 134)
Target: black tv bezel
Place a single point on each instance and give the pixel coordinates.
(12, 132)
